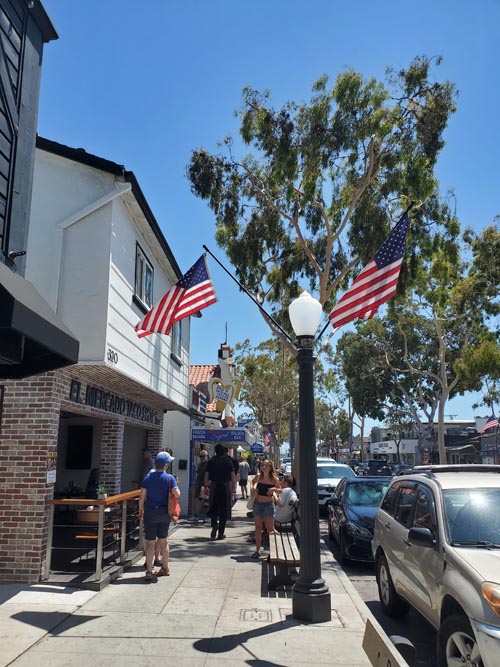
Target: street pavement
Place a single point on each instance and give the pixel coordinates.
(214, 609)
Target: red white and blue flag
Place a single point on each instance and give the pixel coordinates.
(376, 283)
(491, 422)
(193, 292)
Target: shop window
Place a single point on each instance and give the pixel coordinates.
(79, 448)
(143, 280)
(176, 337)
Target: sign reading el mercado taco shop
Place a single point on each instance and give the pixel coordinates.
(106, 400)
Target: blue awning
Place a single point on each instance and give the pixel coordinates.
(222, 435)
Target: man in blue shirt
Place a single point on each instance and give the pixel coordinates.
(153, 508)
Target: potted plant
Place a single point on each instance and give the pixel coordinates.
(101, 492)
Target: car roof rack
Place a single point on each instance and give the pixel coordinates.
(464, 467)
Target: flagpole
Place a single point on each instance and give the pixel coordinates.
(242, 287)
(412, 204)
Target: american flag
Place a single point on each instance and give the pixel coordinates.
(491, 422)
(193, 292)
(376, 283)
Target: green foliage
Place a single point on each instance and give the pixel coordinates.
(479, 369)
(269, 387)
(326, 179)
(367, 377)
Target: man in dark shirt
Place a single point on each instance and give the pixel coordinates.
(219, 477)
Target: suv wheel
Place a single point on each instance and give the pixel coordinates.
(457, 644)
(392, 603)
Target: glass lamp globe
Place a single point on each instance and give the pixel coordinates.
(305, 315)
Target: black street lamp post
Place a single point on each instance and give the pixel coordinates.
(310, 595)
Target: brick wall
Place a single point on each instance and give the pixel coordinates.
(111, 455)
(154, 441)
(30, 425)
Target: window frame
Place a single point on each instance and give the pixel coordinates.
(140, 296)
(176, 342)
(428, 494)
(411, 486)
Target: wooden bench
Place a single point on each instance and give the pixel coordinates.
(284, 553)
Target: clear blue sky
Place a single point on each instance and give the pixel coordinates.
(145, 83)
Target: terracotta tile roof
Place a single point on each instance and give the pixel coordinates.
(199, 375)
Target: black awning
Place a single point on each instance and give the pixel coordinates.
(33, 339)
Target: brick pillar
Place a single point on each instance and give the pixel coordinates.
(153, 440)
(111, 455)
(29, 431)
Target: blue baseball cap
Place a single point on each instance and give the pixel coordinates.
(163, 458)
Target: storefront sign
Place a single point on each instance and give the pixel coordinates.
(219, 435)
(256, 448)
(106, 400)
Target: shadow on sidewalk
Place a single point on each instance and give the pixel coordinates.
(230, 642)
(52, 620)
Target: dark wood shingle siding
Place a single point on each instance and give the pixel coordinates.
(12, 21)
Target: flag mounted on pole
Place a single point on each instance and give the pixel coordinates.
(491, 422)
(376, 283)
(193, 292)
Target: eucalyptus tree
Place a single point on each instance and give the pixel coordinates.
(269, 388)
(325, 180)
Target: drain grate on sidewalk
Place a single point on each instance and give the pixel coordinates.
(259, 615)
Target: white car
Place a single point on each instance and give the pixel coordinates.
(436, 545)
(329, 474)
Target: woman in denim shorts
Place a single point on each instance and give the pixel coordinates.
(262, 488)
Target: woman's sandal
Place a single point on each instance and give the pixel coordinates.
(163, 572)
(256, 555)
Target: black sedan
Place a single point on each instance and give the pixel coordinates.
(351, 514)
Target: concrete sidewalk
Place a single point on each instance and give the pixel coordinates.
(214, 609)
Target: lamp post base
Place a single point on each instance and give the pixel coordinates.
(313, 607)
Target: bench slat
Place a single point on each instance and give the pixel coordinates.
(282, 549)
(292, 550)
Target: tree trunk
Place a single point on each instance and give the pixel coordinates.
(441, 445)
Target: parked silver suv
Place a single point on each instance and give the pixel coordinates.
(436, 546)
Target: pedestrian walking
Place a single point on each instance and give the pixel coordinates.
(153, 509)
(262, 487)
(243, 471)
(199, 497)
(236, 466)
(219, 478)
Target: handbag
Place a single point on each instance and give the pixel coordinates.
(250, 502)
(174, 507)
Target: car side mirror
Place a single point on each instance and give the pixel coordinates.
(421, 537)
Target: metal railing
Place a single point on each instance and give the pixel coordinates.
(123, 524)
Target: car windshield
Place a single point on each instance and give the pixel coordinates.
(334, 472)
(366, 493)
(472, 517)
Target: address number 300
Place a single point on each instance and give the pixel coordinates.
(112, 356)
